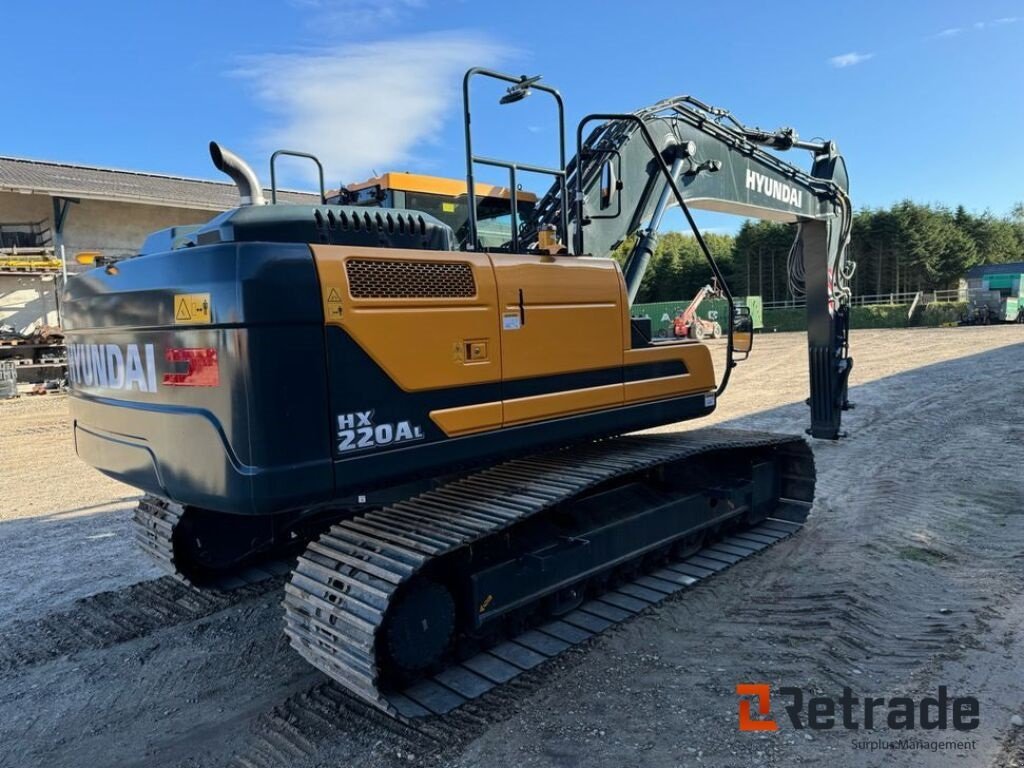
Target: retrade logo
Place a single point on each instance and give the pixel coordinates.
(898, 713)
(762, 695)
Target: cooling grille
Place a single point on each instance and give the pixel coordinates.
(381, 279)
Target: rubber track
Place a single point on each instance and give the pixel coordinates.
(340, 590)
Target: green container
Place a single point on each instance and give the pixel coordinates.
(1008, 310)
(663, 313)
(1009, 283)
(756, 307)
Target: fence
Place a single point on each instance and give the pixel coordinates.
(870, 300)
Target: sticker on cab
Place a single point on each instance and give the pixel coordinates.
(192, 308)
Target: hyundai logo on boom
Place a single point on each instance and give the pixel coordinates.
(112, 366)
(766, 185)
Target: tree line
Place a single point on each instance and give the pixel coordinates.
(907, 247)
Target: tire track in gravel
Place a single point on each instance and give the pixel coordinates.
(877, 612)
(327, 725)
(840, 627)
(112, 618)
(910, 560)
(157, 676)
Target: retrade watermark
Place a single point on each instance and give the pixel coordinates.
(915, 745)
(795, 708)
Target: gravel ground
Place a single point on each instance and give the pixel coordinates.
(906, 577)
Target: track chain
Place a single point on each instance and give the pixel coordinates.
(155, 520)
(342, 586)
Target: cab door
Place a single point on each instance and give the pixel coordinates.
(561, 335)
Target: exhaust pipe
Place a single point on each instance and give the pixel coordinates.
(249, 187)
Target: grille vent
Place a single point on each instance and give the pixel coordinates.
(380, 279)
(355, 221)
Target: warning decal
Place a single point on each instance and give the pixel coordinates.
(192, 308)
(333, 303)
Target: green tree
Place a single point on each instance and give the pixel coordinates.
(906, 247)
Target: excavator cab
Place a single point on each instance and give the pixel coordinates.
(446, 200)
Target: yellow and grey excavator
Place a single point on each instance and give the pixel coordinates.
(438, 422)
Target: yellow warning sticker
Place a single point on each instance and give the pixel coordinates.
(448, 207)
(192, 308)
(333, 307)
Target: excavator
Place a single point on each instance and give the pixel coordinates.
(433, 434)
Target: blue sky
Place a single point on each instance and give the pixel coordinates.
(924, 97)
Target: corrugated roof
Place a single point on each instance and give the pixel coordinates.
(18, 174)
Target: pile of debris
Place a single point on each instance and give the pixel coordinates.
(50, 387)
(41, 335)
(36, 355)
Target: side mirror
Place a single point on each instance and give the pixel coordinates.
(742, 332)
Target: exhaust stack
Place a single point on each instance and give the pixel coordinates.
(249, 187)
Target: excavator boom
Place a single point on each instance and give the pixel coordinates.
(680, 152)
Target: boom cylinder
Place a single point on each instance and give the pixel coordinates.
(640, 257)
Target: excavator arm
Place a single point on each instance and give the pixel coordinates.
(632, 168)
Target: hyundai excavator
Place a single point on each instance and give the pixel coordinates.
(435, 438)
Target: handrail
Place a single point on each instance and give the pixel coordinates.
(473, 242)
(294, 153)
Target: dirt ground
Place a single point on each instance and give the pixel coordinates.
(907, 576)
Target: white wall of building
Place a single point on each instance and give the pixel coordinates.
(114, 229)
(118, 229)
(17, 208)
(27, 301)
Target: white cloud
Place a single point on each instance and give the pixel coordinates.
(355, 15)
(996, 22)
(368, 105)
(979, 26)
(849, 59)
